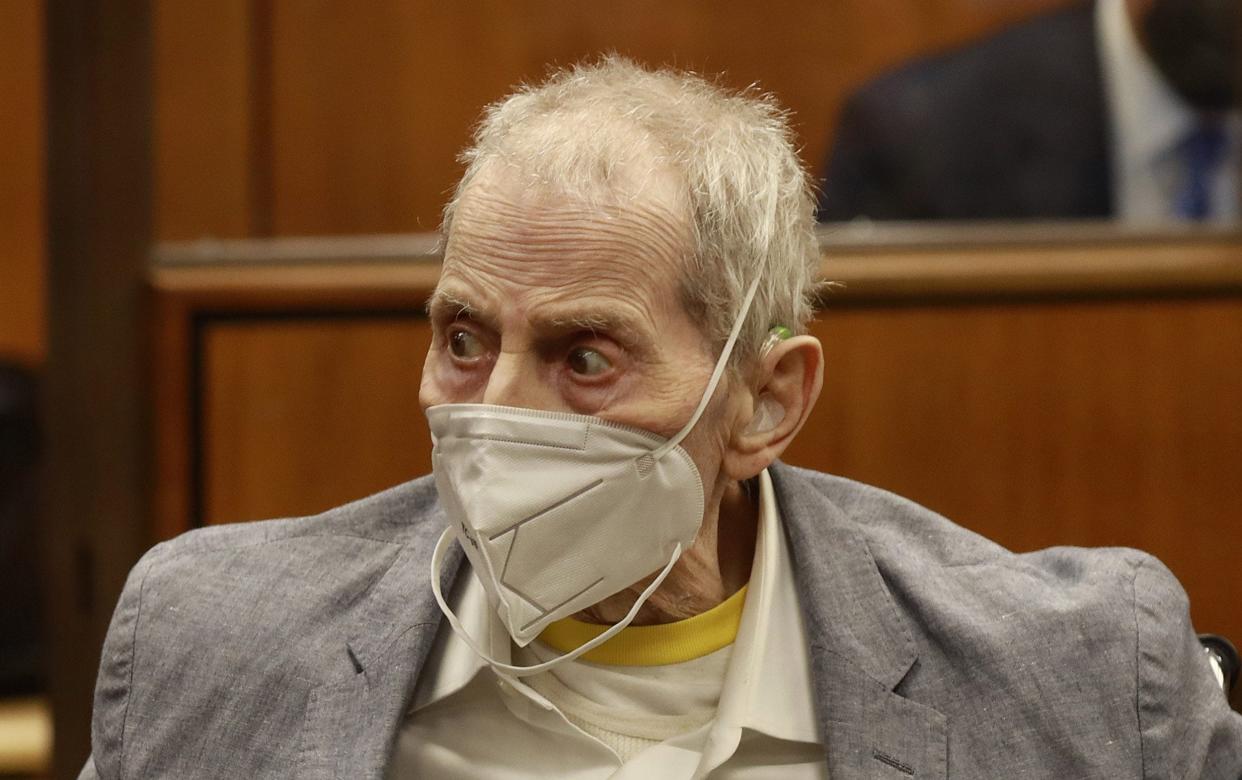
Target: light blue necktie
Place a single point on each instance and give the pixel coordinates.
(1202, 151)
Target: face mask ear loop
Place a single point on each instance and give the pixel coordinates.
(721, 364)
(437, 558)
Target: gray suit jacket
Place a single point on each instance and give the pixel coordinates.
(290, 648)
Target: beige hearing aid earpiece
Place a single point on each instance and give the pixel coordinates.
(769, 413)
(767, 416)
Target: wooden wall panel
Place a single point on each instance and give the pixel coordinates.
(284, 117)
(301, 415)
(208, 138)
(23, 227)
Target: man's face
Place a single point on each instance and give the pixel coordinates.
(548, 303)
(1195, 44)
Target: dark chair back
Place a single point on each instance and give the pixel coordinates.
(22, 642)
(1225, 656)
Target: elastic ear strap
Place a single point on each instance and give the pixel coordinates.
(721, 364)
(437, 559)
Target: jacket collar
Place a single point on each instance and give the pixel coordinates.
(861, 646)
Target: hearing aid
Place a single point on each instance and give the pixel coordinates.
(776, 335)
(769, 412)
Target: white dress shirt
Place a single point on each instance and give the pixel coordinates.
(746, 710)
(1149, 120)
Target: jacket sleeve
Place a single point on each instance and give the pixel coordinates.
(1186, 728)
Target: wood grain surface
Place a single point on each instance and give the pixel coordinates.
(282, 117)
(301, 415)
(23, 191)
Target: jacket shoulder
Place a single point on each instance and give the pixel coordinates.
(226, 621)
(886, 520)
(384, 516)
(1089, 648)
(932, 563)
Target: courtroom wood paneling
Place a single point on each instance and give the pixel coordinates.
(23, 246)
(208, 141)
(300, 415)
(190, 298)
(285, 117)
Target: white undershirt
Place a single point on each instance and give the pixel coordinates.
(631, 708)
(1149, 121)
(733, 713)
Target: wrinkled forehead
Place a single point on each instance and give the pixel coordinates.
(632, 180)
(638, 216)
(613, 263)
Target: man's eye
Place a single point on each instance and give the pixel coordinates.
(465, 345)
(588, 362)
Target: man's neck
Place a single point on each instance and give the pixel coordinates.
(712, 570)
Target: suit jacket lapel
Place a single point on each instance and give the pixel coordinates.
(352, 719)
(861, 646)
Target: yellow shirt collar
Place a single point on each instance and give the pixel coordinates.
(657, 645)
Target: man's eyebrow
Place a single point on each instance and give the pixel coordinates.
(620, 325)
(443, 302)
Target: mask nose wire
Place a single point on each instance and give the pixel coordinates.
(712, 383)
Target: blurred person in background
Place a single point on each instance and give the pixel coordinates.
(1123, 108)
(609, 573)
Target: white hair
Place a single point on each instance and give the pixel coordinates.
(751, 208)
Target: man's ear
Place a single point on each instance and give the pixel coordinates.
(790, 376)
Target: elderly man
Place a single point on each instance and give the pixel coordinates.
(619, 359)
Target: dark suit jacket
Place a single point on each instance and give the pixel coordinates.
(291, 648)
(1013, 127)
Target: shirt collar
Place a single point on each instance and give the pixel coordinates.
(767, 686)
(451, 665)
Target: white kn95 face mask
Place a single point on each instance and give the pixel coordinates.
(557, 511)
